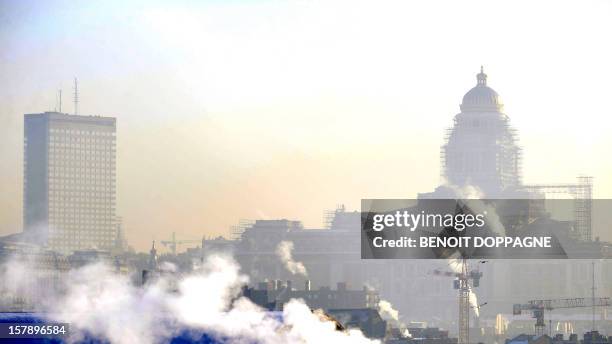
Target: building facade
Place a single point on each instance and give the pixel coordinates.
(70, 181)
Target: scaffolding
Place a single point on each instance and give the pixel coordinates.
(582, 194)
(459, 140)
(236, 231)
(330, 215)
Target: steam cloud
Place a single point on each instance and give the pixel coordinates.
(284, 252)
(390, 314)
(472, 192)
(474, 302)
(100, 302)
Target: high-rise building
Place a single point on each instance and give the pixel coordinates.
(69, 181)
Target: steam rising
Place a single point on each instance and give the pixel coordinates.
(474, 302)
(388, 313)
(97, 301)
(284, 252)
(472, 192)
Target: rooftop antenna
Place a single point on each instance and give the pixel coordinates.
(76, 97)
(60, 101)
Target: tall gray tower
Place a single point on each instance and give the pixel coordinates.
(69, 181)
(480, 148)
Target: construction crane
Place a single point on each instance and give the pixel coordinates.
(173, 243)
(462, 277)
(537, 307)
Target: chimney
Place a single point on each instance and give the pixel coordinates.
(307, 285)
(278, 284)
(289, 285)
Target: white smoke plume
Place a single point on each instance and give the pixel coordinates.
(390, 314)
(474, 302)
(100, 302)
(473, 192)
(284, 252)
(387, 312)
(467, 191)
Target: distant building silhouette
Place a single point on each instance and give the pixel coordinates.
(69, 181)
(480, 149)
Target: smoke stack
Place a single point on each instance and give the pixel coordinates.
(289, 285)
(278, 284)
(307, 285)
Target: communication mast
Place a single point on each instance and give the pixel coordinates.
(76, 97)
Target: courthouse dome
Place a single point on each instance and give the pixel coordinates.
(481, 98)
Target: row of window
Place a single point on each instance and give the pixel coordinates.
(59, 228)
(82, 132)
(79, 176)
(81, 167)
(92, 215)
(65, 183)
(99, 184)
(85, 175)
(81, 145)
(79, 153)
(85, 138)
(83, 198)
(67, 223)
(87, 196)
(103, 209)
(78, 150)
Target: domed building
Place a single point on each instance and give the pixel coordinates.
(480, 152)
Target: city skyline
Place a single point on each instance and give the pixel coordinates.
(214, 127)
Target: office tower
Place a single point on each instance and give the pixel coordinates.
(69, 181)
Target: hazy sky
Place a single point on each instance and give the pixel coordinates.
(270, 109)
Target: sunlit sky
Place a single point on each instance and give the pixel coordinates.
(283, 109)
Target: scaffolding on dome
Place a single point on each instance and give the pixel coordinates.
(508, 153)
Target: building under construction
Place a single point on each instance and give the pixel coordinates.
(480, 158)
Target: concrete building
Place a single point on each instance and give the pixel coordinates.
(367, 320)
(69, 181)
(274, 294)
